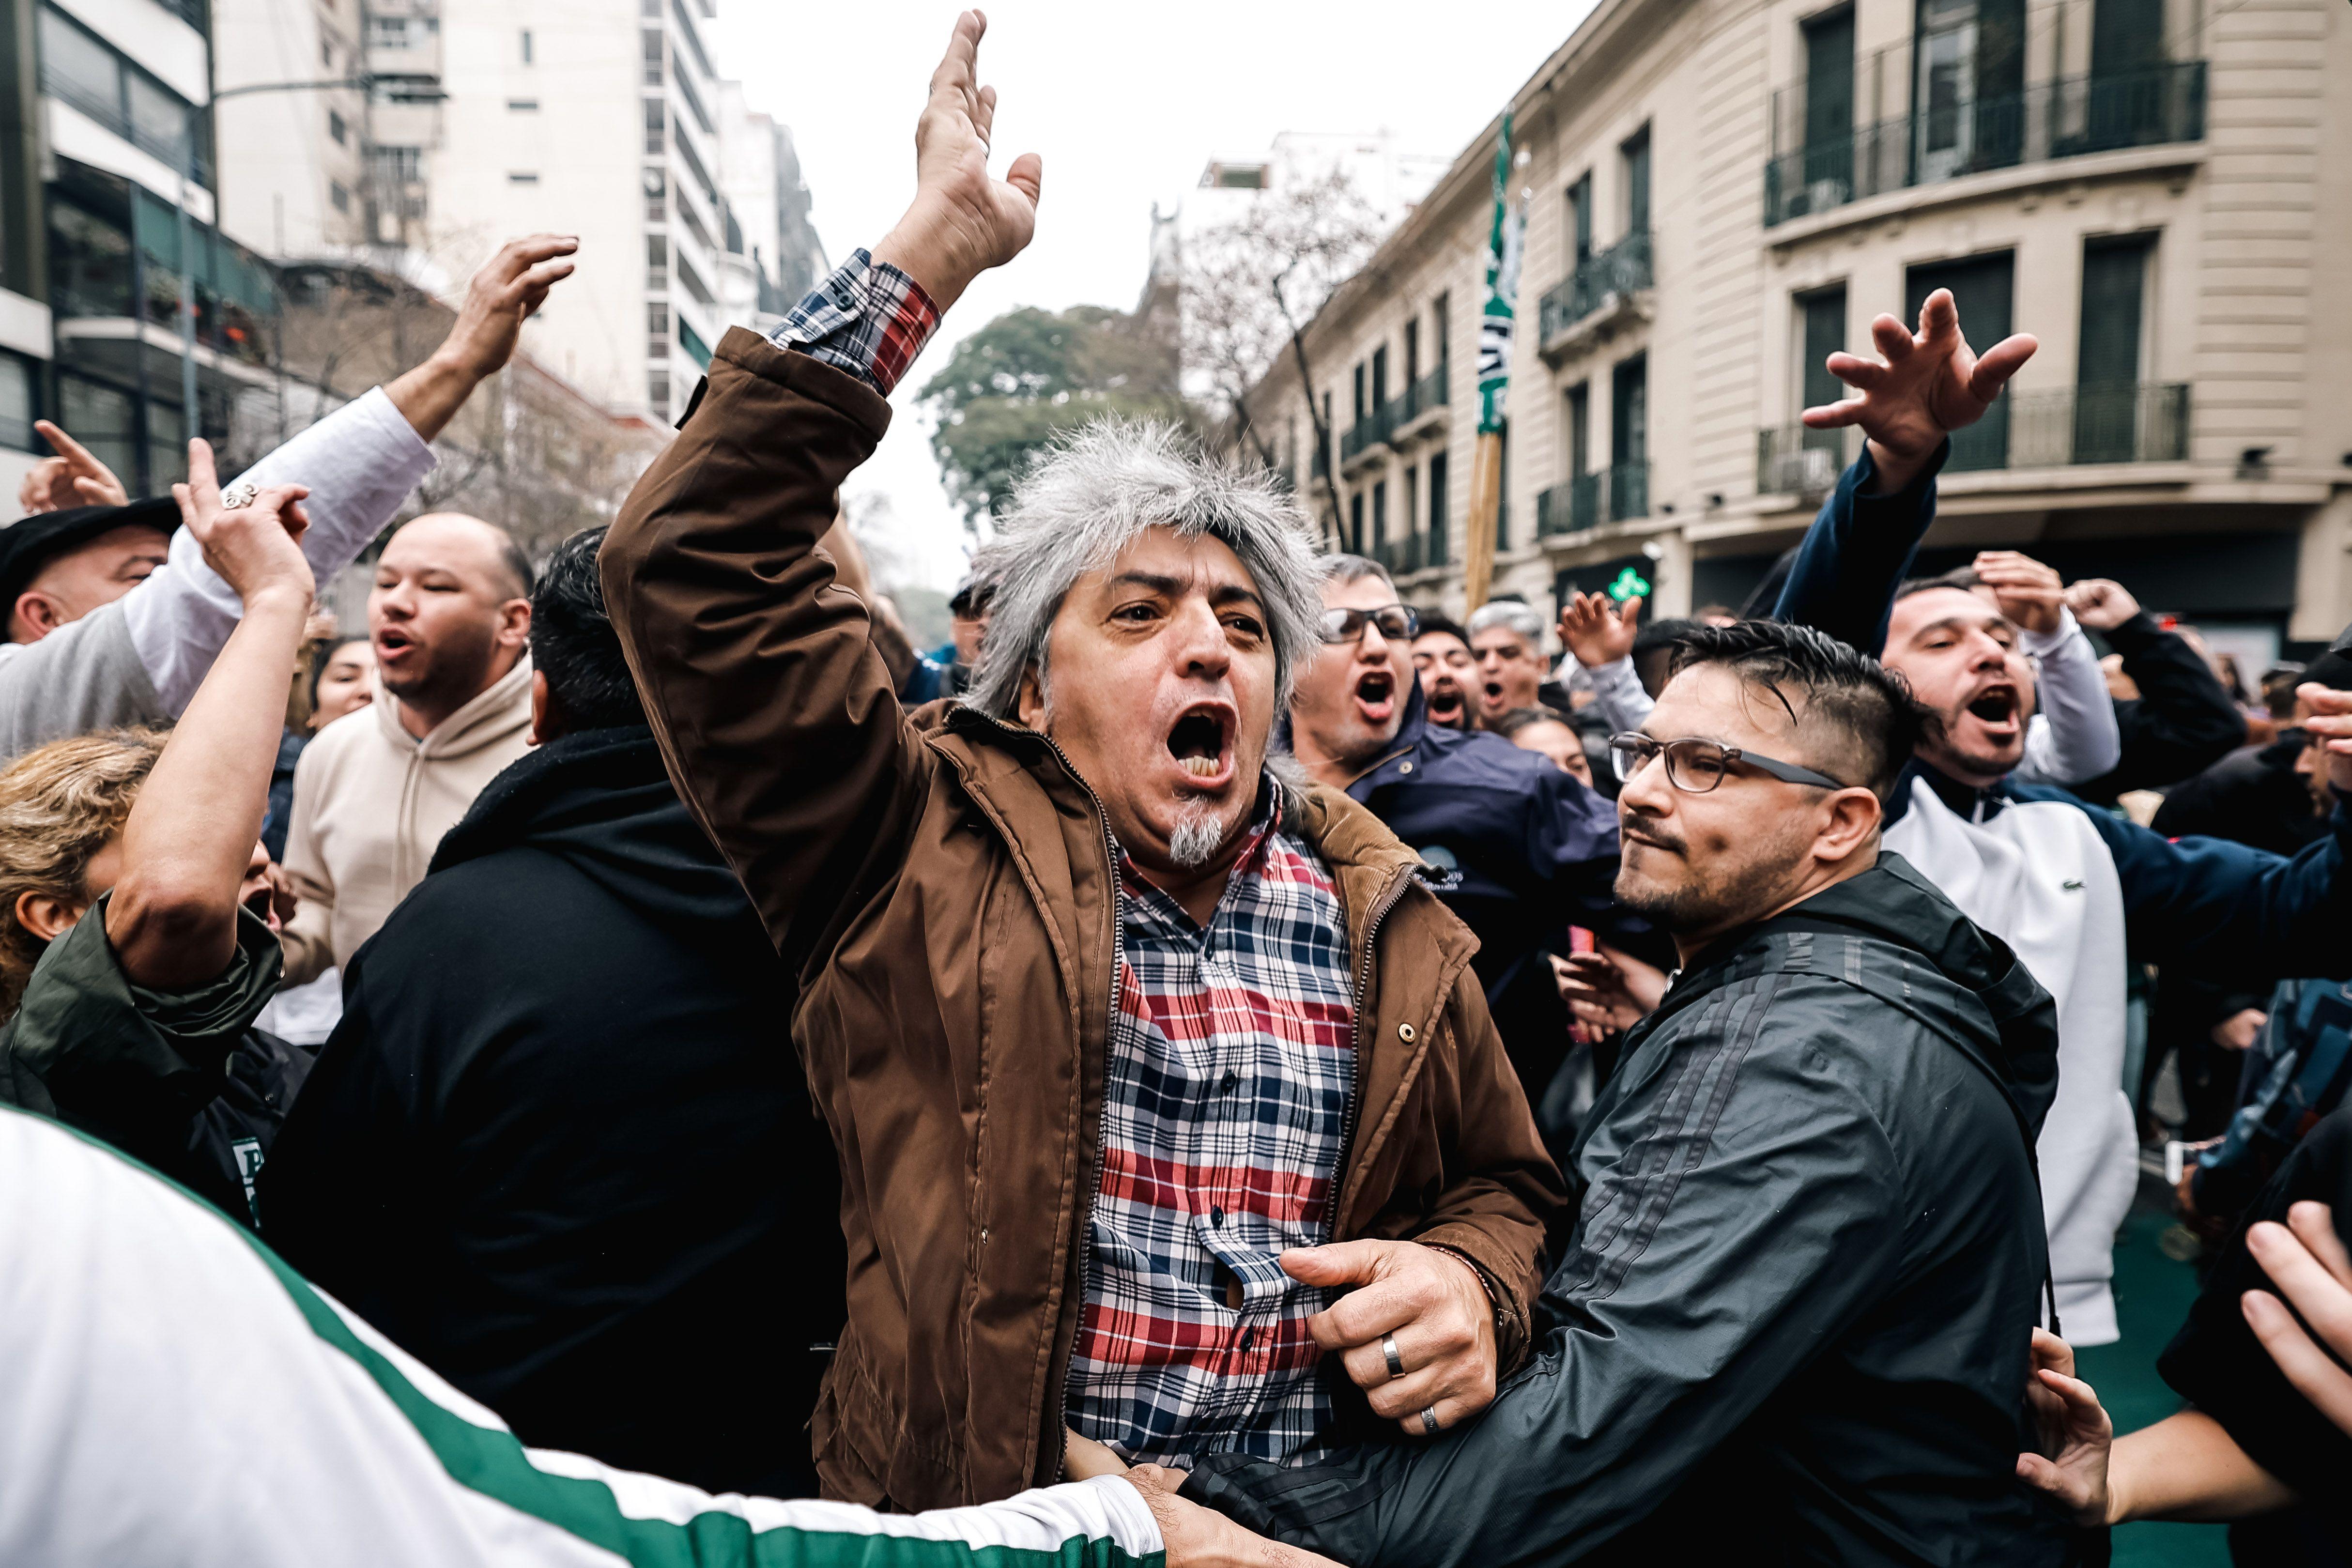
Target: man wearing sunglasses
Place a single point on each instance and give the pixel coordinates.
(1528, 850)
(1794, 1319)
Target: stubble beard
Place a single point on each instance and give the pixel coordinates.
(1198, 835)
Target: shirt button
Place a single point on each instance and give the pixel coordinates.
(1217, 1217)
(1406, 1033)
(1232, 1078)
(1404, 767)
(1249, 1337)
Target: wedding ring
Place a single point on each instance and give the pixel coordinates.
(1429, 1421)
(1389, 1349)
(237, 495)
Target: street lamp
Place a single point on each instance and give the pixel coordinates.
(397, 87)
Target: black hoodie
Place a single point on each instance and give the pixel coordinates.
(1793, 1326)
(561, 1147)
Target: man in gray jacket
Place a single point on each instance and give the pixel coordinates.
(1794, 1319)
(121, 627)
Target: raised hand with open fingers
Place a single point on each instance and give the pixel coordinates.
(1597, 629)
(510, 287)
(253, 539)
(963, 221)
(1924, 385)
(74, 477)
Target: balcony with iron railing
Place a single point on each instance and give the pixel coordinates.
(1422, 406)
(1376, 429)
(1618, 494)
(1953, 136)
(1404, 556)
(2147, 422)
(1600, 284)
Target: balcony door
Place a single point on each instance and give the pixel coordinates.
(1982, 287)
(1379, 378)
(1829, 111)
(1629, 439)
(1825, 334)
(2128, 98)
(1968, 88)
(2107, 363)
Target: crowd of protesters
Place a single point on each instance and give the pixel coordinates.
(1214, 1061)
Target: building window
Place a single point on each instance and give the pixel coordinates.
(657, 196)
(1435, 554)
(87, 73)
(337, 130)
(1580, 429)
(657, 318)
(1829, 104)
(1411, 499)
(16, 405)
(653, 52)
(1360, 392)
(1579, 216)
(397, 165)
(339, 196)
(523, 177)
(522, 106)
(655, 125)
(658, 389)
(1380, 515)
(1983, 287)
(326, 54)
(658, 262)
(691, 342)
(1380, 377)
(658, 348)
(387, 33)
(526, 47)
(2108, 360)
(1635, 157)
(1356, 523)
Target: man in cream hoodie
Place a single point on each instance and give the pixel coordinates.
(450, 616)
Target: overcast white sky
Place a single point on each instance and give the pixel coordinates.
(1125, 102)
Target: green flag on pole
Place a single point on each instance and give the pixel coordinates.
(1495, 324)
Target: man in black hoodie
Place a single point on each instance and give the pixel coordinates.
(1794, 1321)
(559, 1147)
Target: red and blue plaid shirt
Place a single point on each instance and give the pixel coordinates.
(1231, 1076)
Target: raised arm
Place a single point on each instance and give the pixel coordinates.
(190, 843)
(2074, 735)
(1925, 385)
(2184, 722)
(779, 720)
(359, 462)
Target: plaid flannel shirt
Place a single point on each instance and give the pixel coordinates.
(868, 318)
(1232, 1068)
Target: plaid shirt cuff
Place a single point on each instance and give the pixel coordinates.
(870, 319)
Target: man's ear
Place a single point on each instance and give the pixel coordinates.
(34, 615)
(45, 917)
(514, 623)
(541, 710)
(1851, 822)
(1033, 710)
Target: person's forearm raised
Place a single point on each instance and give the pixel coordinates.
(190, 839)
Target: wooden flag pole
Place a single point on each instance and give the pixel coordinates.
(1485, 501)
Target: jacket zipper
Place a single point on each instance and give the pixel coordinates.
(1102, 1128)
(1378, 911)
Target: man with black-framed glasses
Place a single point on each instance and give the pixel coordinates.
(1794, 1319)
(1528, 851)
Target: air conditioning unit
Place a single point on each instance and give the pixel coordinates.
(1807, 471)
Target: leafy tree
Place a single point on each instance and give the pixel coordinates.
(1017, 381)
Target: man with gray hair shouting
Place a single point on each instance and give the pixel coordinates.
(1135, 1055)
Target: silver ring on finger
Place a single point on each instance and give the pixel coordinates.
(237, 495)
(1389, 1349)
(1429, 1421)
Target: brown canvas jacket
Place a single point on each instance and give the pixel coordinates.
(943, 883)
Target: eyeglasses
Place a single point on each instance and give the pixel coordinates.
(1695, 766)
(1396, 623)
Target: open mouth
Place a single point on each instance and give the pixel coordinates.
(1444, 702)
(390, 644)
(1996, 707)
(1202, 742)
(1376, 695)
(1494, 691)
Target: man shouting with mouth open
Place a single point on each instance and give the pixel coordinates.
(1113, 1028)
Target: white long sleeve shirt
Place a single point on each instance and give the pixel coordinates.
(140, 660)
(177, 1397)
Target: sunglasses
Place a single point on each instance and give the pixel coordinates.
(1695, 766)
(1396, 623)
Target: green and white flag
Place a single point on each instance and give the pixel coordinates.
(1494, 324)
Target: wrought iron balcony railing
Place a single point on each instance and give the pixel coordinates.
(1374, 429)
(1584, 501)
(1623, 268)
(2064, 118)
(2147, 422)
(1428, 393)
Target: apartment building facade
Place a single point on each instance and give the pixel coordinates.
(108, 202)
(606, 118)
(1721, 191)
